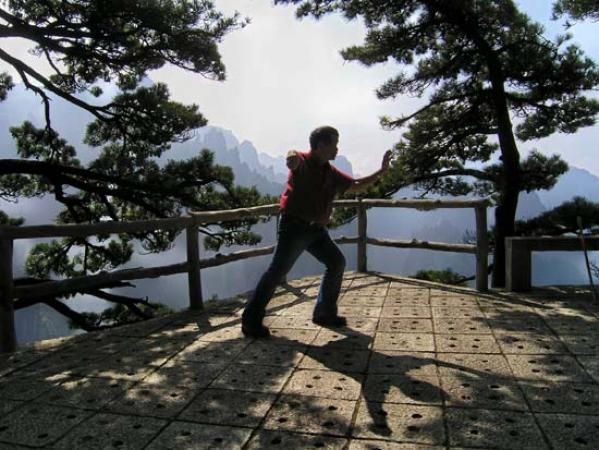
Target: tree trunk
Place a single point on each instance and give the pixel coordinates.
(509, 184)
(505, 216)
(505, 213)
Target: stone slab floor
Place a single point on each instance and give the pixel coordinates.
(420, 366)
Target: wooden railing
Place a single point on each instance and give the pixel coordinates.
(193, 265)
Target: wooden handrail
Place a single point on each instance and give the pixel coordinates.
(194, 263)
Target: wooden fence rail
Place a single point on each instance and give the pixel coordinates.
(193, 265)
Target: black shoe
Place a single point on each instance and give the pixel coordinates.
(255, 332)
(332, 321)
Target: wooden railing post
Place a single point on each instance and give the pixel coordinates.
(482, 249)
(362, 226)
(194, 277)
(8, 337)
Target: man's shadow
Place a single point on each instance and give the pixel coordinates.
(417, 389)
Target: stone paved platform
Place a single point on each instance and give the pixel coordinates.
(420, 366)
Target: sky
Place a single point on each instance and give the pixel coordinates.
(285, 77)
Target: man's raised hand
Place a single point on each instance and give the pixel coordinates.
(293, 160)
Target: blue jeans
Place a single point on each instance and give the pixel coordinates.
(295, 236)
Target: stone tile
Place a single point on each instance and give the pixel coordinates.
(213, 352)
(497, 429)
(362, 325)
(153, 402)
(359, 311)
(403, 363)
(8, 405)
(268, 320)
(23, 388)
(129, 368)
(342, 338)
(230, 331)
(394, 312)
(294, 322)
(144, 328)
(466, 343)
(526, 344)
(324, 383)
(268, 354)
(9, 363)
(176, 331)
(157, 350)
(463, 301)
(39, 425)
(390, 388)
(337, 359)
(395, 299)
(458, 364)
(75, 356)
(443, 293)
(311, 415)
(568, 398)
(378, 290)
(193, 436)
(312, 291)
(361, 301)
(285, 336)
(369, 444)
(85, 393)
(400, 422)
(419, 342)
(112, 431)
(467, 312)
(270, 439)
(228, 407)
(101, 343)
(483, 392)
(62, 364)
(570, 431)
(413, 292)
(591, 365)
(532, 327)
(460, 325)
(253, 378)
(572, 324)
(547, 367)
(581, 344)
(303, 310)
(406, 325)
(182, 374)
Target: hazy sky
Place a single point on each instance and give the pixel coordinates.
(285, 77)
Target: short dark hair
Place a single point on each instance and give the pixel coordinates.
(322, 134)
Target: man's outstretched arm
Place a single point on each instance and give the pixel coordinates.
(361, 184)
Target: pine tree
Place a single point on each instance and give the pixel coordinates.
(577, 9)
(87, 44)
(490, 78)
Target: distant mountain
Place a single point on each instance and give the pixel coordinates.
(575, 182)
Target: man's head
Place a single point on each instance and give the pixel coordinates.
(323, 142)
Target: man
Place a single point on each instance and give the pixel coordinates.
(306, 206)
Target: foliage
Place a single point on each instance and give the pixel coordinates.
(89, 44)
(446, 276)
(6, 220)
(577, 9)
(562, 219)
(480, 64)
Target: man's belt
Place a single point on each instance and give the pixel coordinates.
(294, 218)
